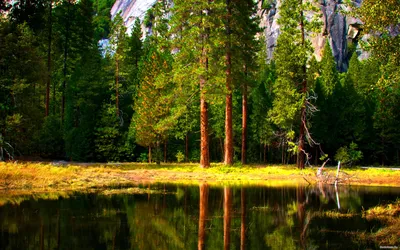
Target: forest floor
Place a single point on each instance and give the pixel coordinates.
(80, 176)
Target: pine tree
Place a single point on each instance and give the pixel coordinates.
(246, 47)
(228, 149)
(155, 111)
(192, 25)
(152, 120)
(381, 17)
(329, 73)
(118, 41)
(291, 56)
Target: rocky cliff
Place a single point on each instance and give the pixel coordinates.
(343, 32)
(130, 10)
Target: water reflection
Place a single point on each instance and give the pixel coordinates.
(203, 215)
(186, 217)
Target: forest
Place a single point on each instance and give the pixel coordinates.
(192, 83)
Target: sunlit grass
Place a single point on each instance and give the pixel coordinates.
(333, 214)
(389, 214)
(28, 175)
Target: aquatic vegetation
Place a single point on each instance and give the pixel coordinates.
(389, 215)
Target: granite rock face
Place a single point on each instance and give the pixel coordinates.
(130, 10)
(339, 29)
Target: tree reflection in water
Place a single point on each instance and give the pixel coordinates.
(203, 206)
(190, 217)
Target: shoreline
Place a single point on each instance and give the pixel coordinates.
(32, 176)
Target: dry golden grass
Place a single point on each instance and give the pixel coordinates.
(389, 215)
(31, 175)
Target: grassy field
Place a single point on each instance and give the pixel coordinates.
(78, 176)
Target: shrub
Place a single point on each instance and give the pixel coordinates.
(143, 158)
(348, 155)
(180, 156)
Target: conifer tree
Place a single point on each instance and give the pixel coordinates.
(329, 71)
(291, 56)
(228, 158)
(151, 121)
(192, 25)
(382, 17)
(246, 47)
(118, 41)
(155, 112)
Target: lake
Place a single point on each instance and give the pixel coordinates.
(161, 216)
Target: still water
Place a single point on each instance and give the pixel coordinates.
(194, 217)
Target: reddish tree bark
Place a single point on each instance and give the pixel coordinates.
(228, 100)
(244, 122)
(203, 215)
(227, 217)
(204, 139)
(243, 220)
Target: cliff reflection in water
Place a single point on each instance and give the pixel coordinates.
(190, 217)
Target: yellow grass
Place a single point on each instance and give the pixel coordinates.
(45, 176)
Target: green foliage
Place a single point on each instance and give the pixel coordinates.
(158, 81)
(143, 158)
(110, 143)
(329, 73)
(50, 138)
(180, 156)
(348, 155)
(291, 56)
(194, 155)
(155, 114)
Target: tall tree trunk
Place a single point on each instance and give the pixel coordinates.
(227, 217)
(64, 85)
(228, 100)
(221, 144)
(187, 148)
(301, 152)
(244, 120)
(48, 82)
(202, 215)
(149, 154)
(242, 219)
(204, 139)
